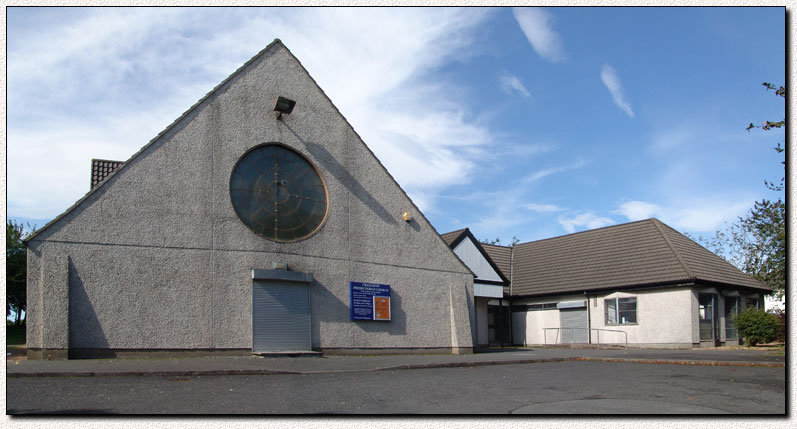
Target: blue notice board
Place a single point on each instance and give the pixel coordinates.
(369, 301)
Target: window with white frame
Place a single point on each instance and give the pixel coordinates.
(620, 311)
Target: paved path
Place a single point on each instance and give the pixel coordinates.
(255, 365)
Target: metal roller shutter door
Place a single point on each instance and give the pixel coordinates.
(280, 316)
(574, 318)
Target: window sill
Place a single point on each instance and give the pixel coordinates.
(624, 324)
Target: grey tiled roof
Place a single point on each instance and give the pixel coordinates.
(102, 168)
(639, 253)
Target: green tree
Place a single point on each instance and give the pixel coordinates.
(765, 224)
(16, 268)
(756, 242)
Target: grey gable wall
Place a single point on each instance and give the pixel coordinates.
(156, 258)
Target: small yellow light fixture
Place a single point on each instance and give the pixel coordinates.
(407, 216)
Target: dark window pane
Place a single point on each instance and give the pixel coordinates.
(628, 316)
(627, 304)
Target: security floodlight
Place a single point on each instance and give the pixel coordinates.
(283, 105)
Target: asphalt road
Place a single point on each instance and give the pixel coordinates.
(539, 388)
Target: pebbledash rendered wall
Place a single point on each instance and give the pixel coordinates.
(664, 319)
(156, 258)
(667, 317)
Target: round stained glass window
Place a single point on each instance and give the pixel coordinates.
(278, 194)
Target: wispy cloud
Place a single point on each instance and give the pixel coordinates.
(511, 84)
(612, 81)
(544, 208)
(588, 220)
(111, 79)
(537, 26)
(670, 139)
(539, 174)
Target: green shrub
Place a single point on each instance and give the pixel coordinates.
(781, 315)
(757, 326)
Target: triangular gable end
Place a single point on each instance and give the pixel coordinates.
(128, 207)
(472, 253)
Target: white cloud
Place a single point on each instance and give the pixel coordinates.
(706, 214)
(536, 25)
(589, 220)
(103, 82)
(543, 208)
(612, 81)
(638, 210)
(511, 83)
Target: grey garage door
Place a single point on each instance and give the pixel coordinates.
(280, 316)
(575, 318)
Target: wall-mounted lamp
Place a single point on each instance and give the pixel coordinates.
(283, 105)
(407, 216)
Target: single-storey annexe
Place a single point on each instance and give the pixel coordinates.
(642, 281)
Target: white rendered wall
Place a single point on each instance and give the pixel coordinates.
(527, 327)
(664, 317)
(534, 322)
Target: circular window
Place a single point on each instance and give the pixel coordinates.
(277, 193)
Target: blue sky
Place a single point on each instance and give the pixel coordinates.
(514, 122)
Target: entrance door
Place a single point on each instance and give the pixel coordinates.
(498, 329)
(280, 316)
(574, 324)
(708, 316)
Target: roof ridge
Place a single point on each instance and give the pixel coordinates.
(617, 225)
(677, 254)
(708, 253)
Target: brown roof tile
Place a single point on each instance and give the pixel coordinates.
(449, 237)
(502, 256)
(639, 253)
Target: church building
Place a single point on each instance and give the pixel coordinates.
(258, 221)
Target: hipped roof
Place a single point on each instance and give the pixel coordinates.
(636, 254)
